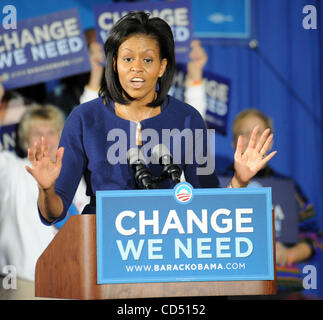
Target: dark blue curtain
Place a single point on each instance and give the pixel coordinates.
(283, 78)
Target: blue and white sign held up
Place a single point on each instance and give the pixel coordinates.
(229, 19)
(176, 13)
(184, 234)
(218, 91)
(44, 48)
(8, 137)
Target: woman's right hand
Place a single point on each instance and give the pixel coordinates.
(44, 169)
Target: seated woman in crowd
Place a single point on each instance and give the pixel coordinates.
(22, 235)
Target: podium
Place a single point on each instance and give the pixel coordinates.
(67, 269)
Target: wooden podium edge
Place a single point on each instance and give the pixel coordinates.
(71, 273)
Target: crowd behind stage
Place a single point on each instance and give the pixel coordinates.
(41, 109)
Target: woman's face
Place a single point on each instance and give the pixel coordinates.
(139, 67)
(49, 131)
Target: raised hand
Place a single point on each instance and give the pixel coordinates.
(44, 169)
(248, 163)
(97, 60)
(198, 60)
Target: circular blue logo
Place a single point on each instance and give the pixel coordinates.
(183, 193)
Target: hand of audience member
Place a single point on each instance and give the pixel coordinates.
(281, 254)
(96, 59)
(198, 60)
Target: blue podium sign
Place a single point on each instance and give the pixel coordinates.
(184, 234)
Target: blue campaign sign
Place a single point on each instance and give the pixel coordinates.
(8, 137)
(177, 14)
(222, 19)
(217, 90)
(44, 48)
(184, 234)
(284, 204)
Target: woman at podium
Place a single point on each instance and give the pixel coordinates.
(134, 100)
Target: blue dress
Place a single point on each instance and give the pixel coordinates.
(96, 142)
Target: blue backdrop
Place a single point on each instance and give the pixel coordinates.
(294, 101)
(283, 78)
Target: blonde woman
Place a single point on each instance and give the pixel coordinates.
(22, 235)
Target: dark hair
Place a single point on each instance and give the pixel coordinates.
(131, 24)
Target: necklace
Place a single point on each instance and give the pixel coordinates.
(138, 125)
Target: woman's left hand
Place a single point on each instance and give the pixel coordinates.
(254, 158)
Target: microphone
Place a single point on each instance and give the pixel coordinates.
(143, 175)
(165, 159)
